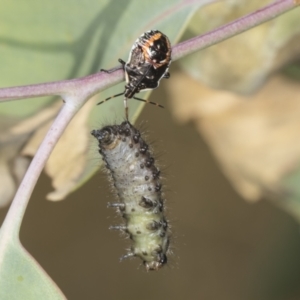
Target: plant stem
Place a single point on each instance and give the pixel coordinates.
(17, 209)
(231, 29)
(86, 86)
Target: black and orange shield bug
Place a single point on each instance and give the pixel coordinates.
(149, 61)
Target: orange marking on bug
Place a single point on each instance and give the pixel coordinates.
(148, 43)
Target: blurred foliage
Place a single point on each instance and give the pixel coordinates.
(243, 63)
(248, 112)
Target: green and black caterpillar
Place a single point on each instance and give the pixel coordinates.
(137, 182)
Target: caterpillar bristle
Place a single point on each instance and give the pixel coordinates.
(118, 227)
(116, 205)
(127, 256)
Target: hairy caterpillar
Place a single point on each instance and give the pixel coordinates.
(136, 180)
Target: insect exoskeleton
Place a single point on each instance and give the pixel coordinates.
(149, 61)
(156, 48)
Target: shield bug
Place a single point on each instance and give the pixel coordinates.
(148, 62)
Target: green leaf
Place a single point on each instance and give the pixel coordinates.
(21, 277)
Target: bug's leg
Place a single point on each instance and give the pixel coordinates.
(122, 62)
(167, 75)
(150, 102)
(126, 108)
(114, 96)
